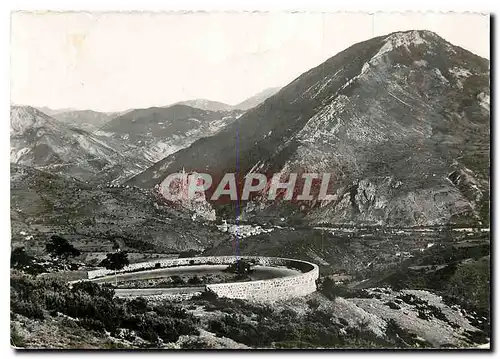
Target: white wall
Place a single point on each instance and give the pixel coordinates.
(261, 290)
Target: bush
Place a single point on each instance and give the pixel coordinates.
(178, 281)
(94, 289)
(194, 280)
(206, 295)
(392, 305)
(16, 340)
(240, 267)
(137, 305)
(92, 324)
(331, 290)
(28, 309)
(189, 253)
(423, 315)
(194, 344)
(317, 328)
(95, 308)
(313, 304)
(402, 337)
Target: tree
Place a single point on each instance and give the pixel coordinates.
(241, 267)
(59, 247)
(115, 261)
(19, 258)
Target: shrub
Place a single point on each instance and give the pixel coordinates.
(137, 305)
(423, 315)
(16, 340)
(92, 324)
(176, 280)
(187, 254)
(95, 308)
(94, 289)
(19, 258)
(28, 309)
(206, 295)
(193, 344)
(313, 304)
(437, 313)
(194, 280)
(402, 337)
(392, 305)
(331, 290)
(240, 267)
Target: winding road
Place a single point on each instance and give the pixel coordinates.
(259, 273)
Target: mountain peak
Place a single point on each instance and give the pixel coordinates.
(25, 117)
(386, 118)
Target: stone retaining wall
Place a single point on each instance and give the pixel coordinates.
(260, 290)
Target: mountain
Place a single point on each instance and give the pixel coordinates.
(94, 216)
(245, 105)
(206, 105)
(401, 122)
(256, 99)
(51, 112)
(156, 132)
(87, 120)
(41, 141)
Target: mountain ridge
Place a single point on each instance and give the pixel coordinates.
(41, 141)
(401, 99)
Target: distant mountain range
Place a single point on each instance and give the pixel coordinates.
(207, 105)
(92, 145)
(91, 120)
(87, 120)
(40, 141)
(157, 132)
(249, 103)
(402, 122)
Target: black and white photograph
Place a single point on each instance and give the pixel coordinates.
(241, 180)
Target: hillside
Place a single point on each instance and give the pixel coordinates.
(41, 141)
(92, 217)
(87, 120)
(402, 122)
(206, 105)
(156, 132)
(256, 99)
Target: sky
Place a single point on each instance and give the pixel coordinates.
(118, 61)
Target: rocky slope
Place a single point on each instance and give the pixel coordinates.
(157, 132)
(402, 122)
(41, 141)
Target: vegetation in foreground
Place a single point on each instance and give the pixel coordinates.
(93, 307)
(89, 312)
